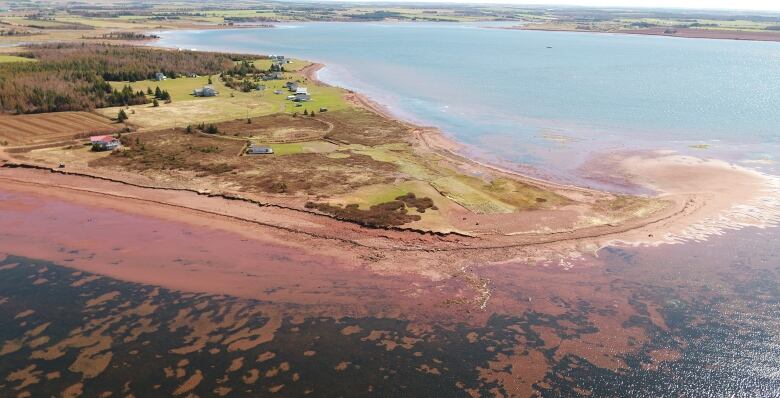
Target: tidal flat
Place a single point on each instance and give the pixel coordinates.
(695, 319)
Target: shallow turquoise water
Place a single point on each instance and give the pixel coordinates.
(513, 98)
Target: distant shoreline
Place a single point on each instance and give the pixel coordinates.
(685, 33)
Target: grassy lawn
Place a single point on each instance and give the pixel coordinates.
(294, 66)
(287, 149)
(301, 147)
(371, 195)
(180, 89)
(183, 113)
(13, 58)
(331, 98)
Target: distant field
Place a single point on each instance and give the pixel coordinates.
(13, 58)
(51, 127)
(183, 113)
(100, 23)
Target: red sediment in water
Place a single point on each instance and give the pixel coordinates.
(196, 257)
(182, 256)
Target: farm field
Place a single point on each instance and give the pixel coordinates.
(13, 58)
(51, 127)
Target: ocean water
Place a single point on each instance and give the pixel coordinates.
(546, 100)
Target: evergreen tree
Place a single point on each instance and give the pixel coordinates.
(157, 92)
(155, 103)
(122, 116)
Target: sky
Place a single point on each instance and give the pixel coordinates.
(768, 5)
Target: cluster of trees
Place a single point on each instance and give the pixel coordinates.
(245, 85)
(242, 69)
(244, 76)
(16, 32)
(206, 128)
(71, 77)
(162, 95)
(125, 96)
(375, 15)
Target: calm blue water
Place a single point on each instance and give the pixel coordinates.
(512, 98)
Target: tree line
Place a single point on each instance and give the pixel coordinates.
(75, 76)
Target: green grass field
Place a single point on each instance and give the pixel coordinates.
(13, 58)
(180, 89)
(301, 147)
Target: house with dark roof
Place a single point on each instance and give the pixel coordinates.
(206, 91)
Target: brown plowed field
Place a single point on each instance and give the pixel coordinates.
(50, 127)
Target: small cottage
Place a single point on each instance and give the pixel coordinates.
(292, 86)
(159, 76)
(259, 150)
(206, 91)
(301, 94)
(104, 142)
